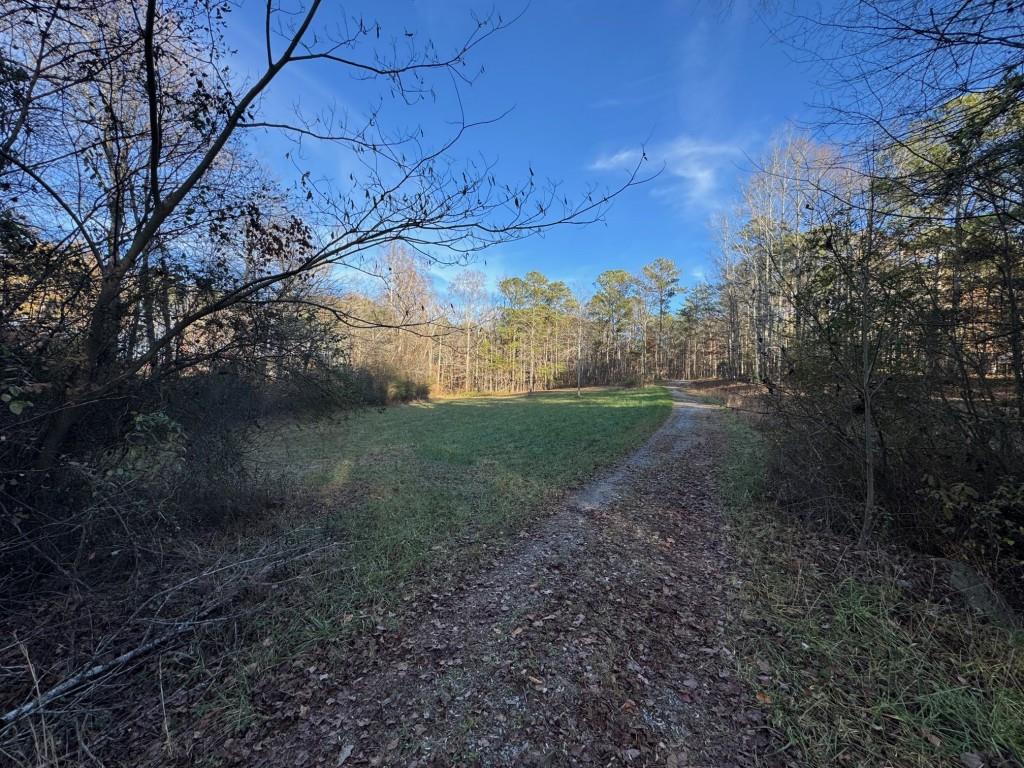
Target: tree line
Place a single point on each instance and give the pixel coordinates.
(871, 290)
(531, 333)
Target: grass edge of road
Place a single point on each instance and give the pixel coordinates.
(858, 657)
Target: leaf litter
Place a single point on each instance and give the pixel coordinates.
(598, 636)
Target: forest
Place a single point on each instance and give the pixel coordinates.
(534, 334)
(280, 460)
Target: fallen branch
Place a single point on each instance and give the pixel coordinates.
(98, 670)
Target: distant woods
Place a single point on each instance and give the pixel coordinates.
(871, 285)
(532, 333)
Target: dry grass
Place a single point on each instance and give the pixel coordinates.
(867, 658)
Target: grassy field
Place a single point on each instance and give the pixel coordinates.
(866, 658)
(406, 487)
(397, 482)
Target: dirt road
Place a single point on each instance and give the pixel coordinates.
(599, 637)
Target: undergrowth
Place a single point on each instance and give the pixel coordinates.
(865, 658)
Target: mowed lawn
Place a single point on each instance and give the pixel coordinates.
(396, 483)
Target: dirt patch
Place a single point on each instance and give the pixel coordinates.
(599, 637)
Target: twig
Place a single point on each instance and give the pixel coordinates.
(97, 670)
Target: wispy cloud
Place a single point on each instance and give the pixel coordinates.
(626, 158)
(696, 172)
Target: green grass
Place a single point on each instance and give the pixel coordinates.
(399, 482)
(859, 667)
(409, 492)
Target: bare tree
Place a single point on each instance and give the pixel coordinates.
(124, 148)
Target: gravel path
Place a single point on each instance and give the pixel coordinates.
(600, 636)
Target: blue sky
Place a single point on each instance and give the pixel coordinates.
(701, 85)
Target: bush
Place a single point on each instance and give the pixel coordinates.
(941, 488)
(405, 390)
(172, 456)
(866, 657)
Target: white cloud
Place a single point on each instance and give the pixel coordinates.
(695, 171)
(626, 158)
(701, 164)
